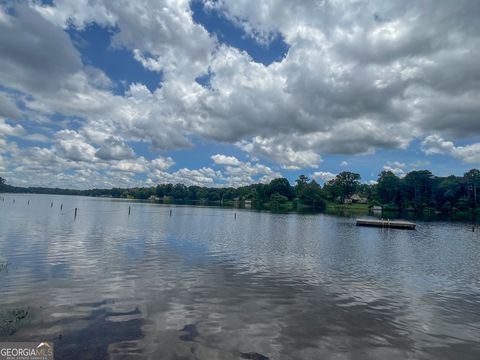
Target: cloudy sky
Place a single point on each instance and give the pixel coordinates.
(100, 93)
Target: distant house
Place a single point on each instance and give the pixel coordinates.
(154, 198)
(355, 199)
(238, 202)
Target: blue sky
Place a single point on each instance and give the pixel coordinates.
(226, 93)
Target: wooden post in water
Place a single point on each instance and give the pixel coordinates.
(51, 204)
(474, 220)
(235, 216)
(61, 207)
(129, 211)
(170, 212)
(28, 202)
(75, 216)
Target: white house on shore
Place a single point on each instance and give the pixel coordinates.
(355, 199)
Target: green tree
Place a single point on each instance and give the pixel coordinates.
(447, 192)
(300, 185)
(278, 198)
(472, 178)
(116, 192)
(388, 188)
(281, 186)
(419, 187)
(141, 193)
(312, 195)
(344, 184)
(3, 183)
(159, 191)
(179, 192)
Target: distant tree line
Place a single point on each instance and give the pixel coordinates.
(277, 193)
(417, 190)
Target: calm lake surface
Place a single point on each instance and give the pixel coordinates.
(200, 284)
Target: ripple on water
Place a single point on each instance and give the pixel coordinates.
(202, 285)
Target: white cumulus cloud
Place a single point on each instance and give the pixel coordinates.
(220, 159)
(434, 144)
(323, 176)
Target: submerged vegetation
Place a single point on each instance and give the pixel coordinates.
(416, 191)
(3, 266)
(10, 319)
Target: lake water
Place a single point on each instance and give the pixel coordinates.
(202, 284)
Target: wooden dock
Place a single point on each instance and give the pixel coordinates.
(391, 224)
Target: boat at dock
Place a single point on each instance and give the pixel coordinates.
(391, 224)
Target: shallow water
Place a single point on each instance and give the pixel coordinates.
(200, 284)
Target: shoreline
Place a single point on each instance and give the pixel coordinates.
(295, 206)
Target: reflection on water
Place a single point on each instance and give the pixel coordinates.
(202, 284)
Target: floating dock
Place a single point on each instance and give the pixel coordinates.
(391, 224)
